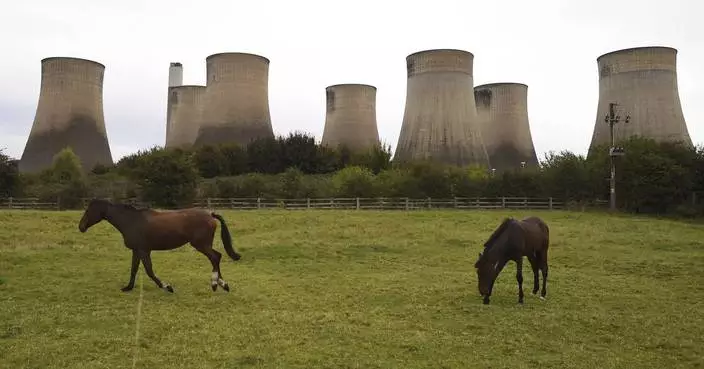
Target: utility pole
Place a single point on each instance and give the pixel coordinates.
(611, 119)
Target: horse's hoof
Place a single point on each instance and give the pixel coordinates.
(542, 298)
(226, 287)
(170, 289)
(520, 302)
(126, 288)
(214, 286)
(535, 292)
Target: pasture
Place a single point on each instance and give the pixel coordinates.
(353, 289)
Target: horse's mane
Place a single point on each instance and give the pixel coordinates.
(132, 207)
(124, 206)
(497, 232)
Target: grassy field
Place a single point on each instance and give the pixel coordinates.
(336, 289)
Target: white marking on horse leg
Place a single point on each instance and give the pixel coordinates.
(221, 282)
(542, 297)
(214, 278)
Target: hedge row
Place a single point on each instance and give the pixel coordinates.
(652, 177)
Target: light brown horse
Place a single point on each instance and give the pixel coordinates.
(145, 230)
(512, 240)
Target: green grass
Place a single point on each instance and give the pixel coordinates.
(339, 289)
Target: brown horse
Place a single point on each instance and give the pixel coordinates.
(512, 240)
(145, 230)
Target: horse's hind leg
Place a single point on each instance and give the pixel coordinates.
(147, 261)
(519, 278)
(544, 269)
(216, 277)
(534, 266)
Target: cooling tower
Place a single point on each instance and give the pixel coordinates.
(440, 118)
(186, 109)
(643, 82)
(69, 113)
(350, 117)
(175, 79)
(503, 115)
(236, 106)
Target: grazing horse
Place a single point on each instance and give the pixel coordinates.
(145, 230)
(512, 240)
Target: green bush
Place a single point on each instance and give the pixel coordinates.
(167, 178)
(354, 181)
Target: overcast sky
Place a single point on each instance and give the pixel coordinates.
(547, 44)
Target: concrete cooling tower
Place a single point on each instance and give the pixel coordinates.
(503, 115)
(440, 118)
(69, 114)
(643, 82)
(236, 106)
(350, 117)
(185, 104)
(175, 79)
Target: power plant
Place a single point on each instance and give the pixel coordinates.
(642, 81)
(185, 109)
(69, 114)
(175, 79)
(440, 120)
(236, 105)
(350, 117)
(503, 115)
(446, 119)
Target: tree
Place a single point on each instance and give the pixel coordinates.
(9, 176)
(167, 177)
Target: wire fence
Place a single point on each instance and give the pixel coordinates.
(353, 203)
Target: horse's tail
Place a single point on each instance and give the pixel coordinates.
(226, 238)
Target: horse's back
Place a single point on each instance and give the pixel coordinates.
(537, 231)
(182, 220)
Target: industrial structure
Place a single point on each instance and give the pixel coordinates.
(236, 105)
(185, 109)
(350, 117)
(440, 119)
(503, 115)
(69, 114)
(642, 82)
(175, 79)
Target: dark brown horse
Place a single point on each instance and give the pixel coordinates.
(513, 240)
(145, 230)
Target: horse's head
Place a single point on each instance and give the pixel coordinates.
(486, 273)
(488, 262)
(95, 212)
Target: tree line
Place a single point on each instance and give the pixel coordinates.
(658, 178)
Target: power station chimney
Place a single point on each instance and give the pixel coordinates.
(236, 106)
(350, 117)
(175, 74)
(186, 106)
(643, 82)
(503, 115)
(440, 118)
(69, 114)
(175, 79)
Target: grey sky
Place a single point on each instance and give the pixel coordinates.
(549, 45)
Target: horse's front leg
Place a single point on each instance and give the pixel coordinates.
(146, 257)
(519, 278)
(133, 272)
